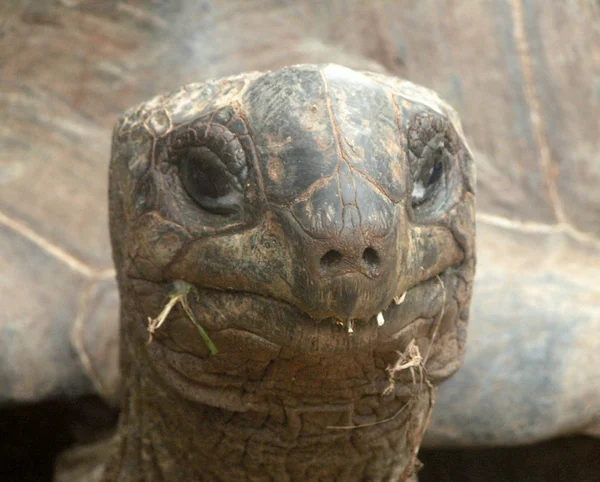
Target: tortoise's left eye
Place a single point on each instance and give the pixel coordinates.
(428, 156)
(427, 174)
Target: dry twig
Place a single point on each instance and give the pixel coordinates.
(180, 295)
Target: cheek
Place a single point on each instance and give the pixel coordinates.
(153, 243)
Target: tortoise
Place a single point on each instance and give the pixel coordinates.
(317, 226)
(70, 68)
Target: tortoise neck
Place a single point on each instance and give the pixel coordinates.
(166, 438)
(326, 426)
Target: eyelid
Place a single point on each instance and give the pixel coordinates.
(215, 137)
(427, 147)
(211, 165)
(208, 182)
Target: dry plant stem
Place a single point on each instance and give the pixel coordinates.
(438, 322)
(155, 323)
(179, 295)
(417, 443)
(410, 359)
(352, 427)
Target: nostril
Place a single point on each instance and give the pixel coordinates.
(371, 258)
(331, 258)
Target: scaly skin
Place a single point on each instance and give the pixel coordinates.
(270, 420)
(323, 234)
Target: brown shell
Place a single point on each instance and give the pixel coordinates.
(524, 77)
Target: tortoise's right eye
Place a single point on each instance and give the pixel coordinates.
(209, 183)
(212, 167)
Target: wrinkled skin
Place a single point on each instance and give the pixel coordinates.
(305, 162)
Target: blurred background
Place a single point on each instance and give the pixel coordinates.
(524, 76)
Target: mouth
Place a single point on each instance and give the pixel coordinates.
(260, 319)
(251, 330)
(379, 318)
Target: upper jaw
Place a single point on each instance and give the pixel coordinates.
(377, 316)
(381, 316)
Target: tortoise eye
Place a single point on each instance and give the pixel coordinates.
(428, 156)
(209, 183)
(212, 166)
(427, 175)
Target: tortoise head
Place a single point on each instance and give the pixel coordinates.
(314, 209)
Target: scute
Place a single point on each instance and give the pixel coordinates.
(301, 143)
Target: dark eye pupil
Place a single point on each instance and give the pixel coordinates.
(436, 173)
(208, 182)
(205, 174)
